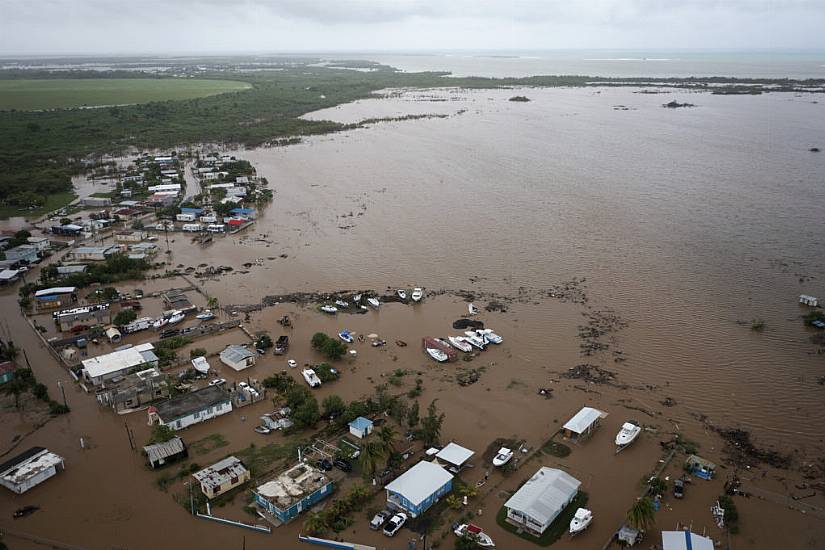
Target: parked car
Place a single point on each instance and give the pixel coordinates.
(678, 488)
(324, 464)
(342, 465)
(395, 524)
(169, 333)
(379, 519)
(218, 382)
(262, 430)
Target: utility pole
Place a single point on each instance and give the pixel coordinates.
(129, 435)
(26, 356)
(62, 391)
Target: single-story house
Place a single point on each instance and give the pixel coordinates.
(161, 199)
(583, 423)
(221, 477)
(98, 370)
(191, 408)
(24, 253)
(418, 488)
(130, 236)
(361, 427)
(71, 269)
(42, 244)
(541, 499)
(160, 454)
(144, 248)
(55, 297)
(685, 540)
(69, 229)
(67, 319)
(454, 456)
(169, 187)
(7, 369)
(700, 467)
(96, 201)
(293, 492)
(237, 357)
(241, 180)
(30, 468)
(94, 253)
(8, 276)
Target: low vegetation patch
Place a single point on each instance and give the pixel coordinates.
(208, 444)
(553, 448)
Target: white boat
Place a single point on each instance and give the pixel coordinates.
(176, 317)
(502, 457)
(581, 521)
(478, 341)
(206, 315)
(346, 336)
(374, 302)
(437, 354)
(627, 434)
(311, 378)
(490, 336)
(417, 294)
(329, 309)
(460, 343)
(341, 303)
(472, 309)
(201, 364)
(356, 298)
(401, 293)
(160, 322)
(474, 532)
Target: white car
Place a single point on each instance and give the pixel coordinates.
(218, 382)
(395, 524)
(243, 385)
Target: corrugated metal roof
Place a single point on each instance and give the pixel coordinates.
(455, 454)
(584, 419)
(544, 495)
(165, 450)
(420, 482)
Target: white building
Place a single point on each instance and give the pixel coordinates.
(30, 468)
(541, 499)
(167, 188)
(685, 540)
(583, 423)
(191, 408)
(94, 253)
(118, 363)
(454, 456)
(237, 357)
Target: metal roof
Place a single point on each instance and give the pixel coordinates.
(165, 450)
(190, 403)
(54, 290)
(236, 354)
(685, 540)
(455, 454)
(220, 472)
(545, 494)
(360, 423)
(119, 360)
(583, 420)
(420, 482)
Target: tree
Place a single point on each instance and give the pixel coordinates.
(264, 342)
(137, 225)
(372, 453)
(466, 542)
(197, 352)
(358, 495)
(334, 349)
(161, 434)
(354, 410)
(306, 414)
(413, 417)
(388, 437)
(431, 425)
(296, 395)
(641, 515)
(316, 523)
(212, 302)
(124, 317)
(333, 406)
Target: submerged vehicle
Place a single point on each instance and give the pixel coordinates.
(292, 363)
(581, 521)
(417, 294)
(628, 434)
(25, 511)
(475, 533)
(503, 456)
(281, 345)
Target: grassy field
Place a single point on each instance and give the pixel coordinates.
(29, 95)
(53, 202)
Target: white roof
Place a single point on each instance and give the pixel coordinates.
(419, 482)
(55, 290)
(545, 494)
(455, 454)
(118, 360)
(235, 354)
(8, 274)
(583, 420)
(685, 540)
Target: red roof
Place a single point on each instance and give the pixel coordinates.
(7, 366)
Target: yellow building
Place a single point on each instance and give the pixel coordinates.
(222, 476)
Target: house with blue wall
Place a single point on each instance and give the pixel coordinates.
(418, 488)
(293, 492)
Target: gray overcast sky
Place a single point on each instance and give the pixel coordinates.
(212, 26)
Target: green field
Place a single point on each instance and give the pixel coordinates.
(53, 202)
(30, 95)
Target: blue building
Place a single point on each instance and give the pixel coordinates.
(361, 427)
(293, 492)
(418, 488)
(243, 213)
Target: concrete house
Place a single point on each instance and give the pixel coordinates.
(130, 236)
(361, 427)
(24, 253)
(541, 499)
(135, 391)
(221, 477)
(292, 492)
(418, 488)
(55, 297)
(237, 357)
(191, 408)
(102, 368)
(30, 468)
(42, 244)
(67, 319)
(94, 253)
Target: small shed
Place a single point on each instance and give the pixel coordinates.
(583, 423)
(160, 454)
(685, 540)
(454, 456)
(113, 335)
(700, 467)
(361, 427)
(237, 357)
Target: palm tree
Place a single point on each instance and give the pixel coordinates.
(315, 524)
(388, 437)
(358, 494)
(642, 515)
(372, 453)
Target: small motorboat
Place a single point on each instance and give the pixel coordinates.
(378, 343)
(490, 336)
(472, 309)
(341, 303)
(206, 315)
(374, 302)
(437, 354)
(201, 364)
(417, 294)
(25, 511)
(460, 343)
(401, 293)
(356, 298)
(346, 336)
(292, 363)
(311, 378)
(628, 434)
(478, 341)
(440, 344)
(176, 317)
(503, 456)
(474, 532)
(329, 309)
(581, 521)
(263, 430)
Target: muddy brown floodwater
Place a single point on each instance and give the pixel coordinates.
(679, 226)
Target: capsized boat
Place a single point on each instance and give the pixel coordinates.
(458, 342)
(311, 378)
(417, 294)
(474, 532)
(201, 364)
(629, 432)
(503, 456)
(437, 354)
(581, 521)
(490, 336)
(205, 315)
(329, 309)
(346, 336)
(472, 309)
(374, 302)
(478, 341)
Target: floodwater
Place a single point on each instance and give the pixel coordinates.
(686, 223)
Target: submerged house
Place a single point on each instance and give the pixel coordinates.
(418, 488)
(67, 319)
(191, 408)
(30, 468)
(94, 253)
(221, 477)
(293, 492)
(135, 390)
(700, 467)
(541, 499)
(583, 423)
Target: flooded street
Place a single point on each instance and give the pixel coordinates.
(683, 225)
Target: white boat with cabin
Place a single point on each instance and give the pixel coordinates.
(437, 354)
(581, 521)
(478, 341)
(460, 343)
(417, 294)
(503, 456)
(628, 434)
(374, 302)
(201, 365)
(490, 336)
(311, 378)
